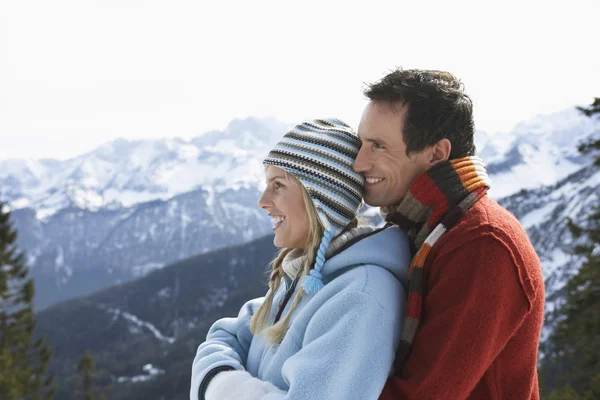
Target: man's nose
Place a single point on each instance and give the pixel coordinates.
(361, 163)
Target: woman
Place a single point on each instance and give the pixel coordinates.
(329, 326)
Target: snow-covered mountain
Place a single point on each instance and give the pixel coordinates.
(130, 207)
(75, 251)
(539, 175)
(544, 213)
(123, 173)
(537, 152)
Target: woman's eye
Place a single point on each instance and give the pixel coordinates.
(278, 185)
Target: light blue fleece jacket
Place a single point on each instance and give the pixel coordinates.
(341, 341)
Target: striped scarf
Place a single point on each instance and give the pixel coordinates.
(436, 200)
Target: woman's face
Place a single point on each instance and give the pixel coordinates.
(284, 202)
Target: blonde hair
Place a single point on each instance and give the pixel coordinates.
(260, 320)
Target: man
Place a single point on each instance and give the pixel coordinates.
(476, 292)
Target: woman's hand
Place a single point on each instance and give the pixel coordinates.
(239, 385)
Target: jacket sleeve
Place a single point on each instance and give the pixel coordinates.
(226, 348)
(475, 302)
(346, 353)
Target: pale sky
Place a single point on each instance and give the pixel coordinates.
(77, 73)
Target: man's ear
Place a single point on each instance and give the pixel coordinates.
(440, 152)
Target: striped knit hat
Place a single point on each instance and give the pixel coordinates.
(320, 154)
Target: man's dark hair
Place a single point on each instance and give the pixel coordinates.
(438, 108)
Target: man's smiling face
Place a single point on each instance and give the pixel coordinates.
(382, 159)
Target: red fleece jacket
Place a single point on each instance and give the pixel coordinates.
(483, 310)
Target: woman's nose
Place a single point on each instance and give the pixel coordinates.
(264, 200)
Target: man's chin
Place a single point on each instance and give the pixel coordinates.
(379, 201)
(373, 201)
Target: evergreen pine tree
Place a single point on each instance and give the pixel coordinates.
(87, 379)
(23, 360)
(593, 145)
(572, 363)
(87, 371)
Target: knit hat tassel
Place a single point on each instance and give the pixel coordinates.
(313, 282)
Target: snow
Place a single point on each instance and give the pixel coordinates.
(172, 208)
(551, 262)
(145, 269)
(548, 146)
(21, 203)
(570, 189)
(126, 173)
(542, 166)
(83, 198)
(210, 198)
(164, 293)
(30, 167)
(58, 261)
(139, 323)
(564, 128)
(150, 372)
(537, 216)
(31, 257)
(128, 198)
(370, 212)
(569, 194)
(185, 220)
(215, 298)
(227, 146)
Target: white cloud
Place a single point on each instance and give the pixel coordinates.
(75, 73)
